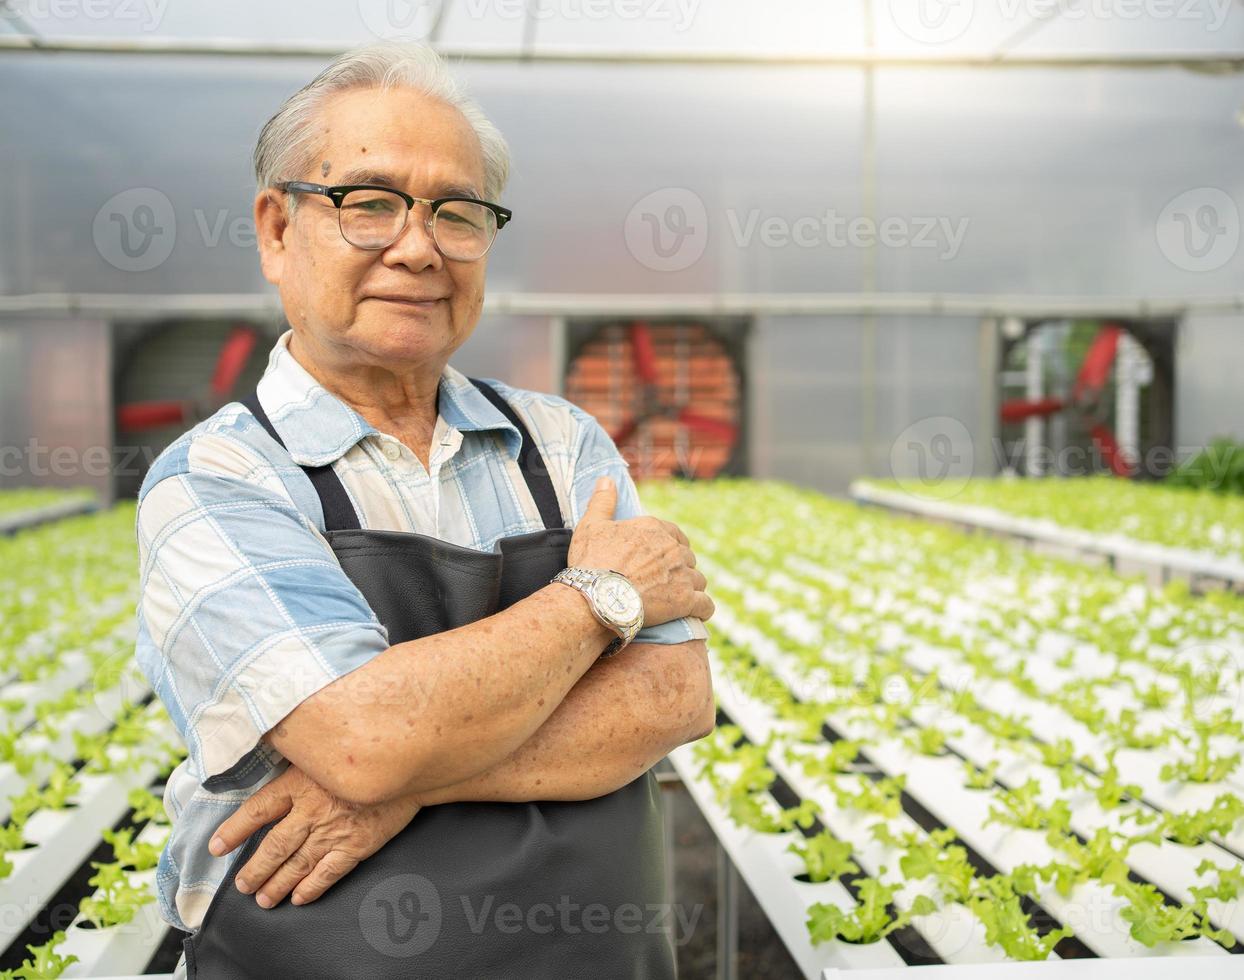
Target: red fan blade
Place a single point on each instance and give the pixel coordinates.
(1097, 362)
(1019, 409)
(628, 429)
(150, 415)
(709, 426)
(1108, 445)
(233, 357)
(643, 352)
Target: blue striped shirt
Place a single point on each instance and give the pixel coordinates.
(244, 611)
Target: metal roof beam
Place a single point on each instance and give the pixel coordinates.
(1217, 62)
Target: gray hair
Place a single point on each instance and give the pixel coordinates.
(287, 146)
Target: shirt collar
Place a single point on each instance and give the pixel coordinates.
(319, 428)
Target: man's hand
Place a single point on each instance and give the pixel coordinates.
(320, 840)
(653, 554)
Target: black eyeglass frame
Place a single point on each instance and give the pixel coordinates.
(337, 194)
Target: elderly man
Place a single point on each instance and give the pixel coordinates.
(348, 605)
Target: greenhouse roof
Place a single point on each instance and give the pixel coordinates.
(934, 29)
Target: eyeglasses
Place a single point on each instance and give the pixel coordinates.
(372, 216)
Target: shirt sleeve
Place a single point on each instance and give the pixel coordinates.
(244, 611)
(597, 456)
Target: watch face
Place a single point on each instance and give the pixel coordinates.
(618, 599)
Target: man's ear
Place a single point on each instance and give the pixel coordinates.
(271, 224)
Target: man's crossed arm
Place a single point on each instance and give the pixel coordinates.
(621, 717)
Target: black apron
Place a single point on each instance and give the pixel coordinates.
(475, 890)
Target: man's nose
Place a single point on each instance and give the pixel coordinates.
(416, 243)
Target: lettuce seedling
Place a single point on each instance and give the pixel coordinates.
(1126, 731)
(979, 778)
(1085, 860)
(926, 741)
(825, 856)
(45, 964)
(880, 797)
(1152, 920)
(140, 856)
(93, 751)
(947, 864)
(147, 806)
(998, 906)
(1229, 884)
(119, 898)
(808, 717)
(1202, 767)
(870, 921)
(838, 759)
(55, 796)
(1023, 808)
(1199, 825)
(1056, 754)
(1110, 792)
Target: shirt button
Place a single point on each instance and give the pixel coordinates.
(392, 451)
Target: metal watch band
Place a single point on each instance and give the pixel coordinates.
(616, 644)
(582, 580)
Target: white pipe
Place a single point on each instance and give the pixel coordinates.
(1032, 306)
(1127, 399)
(1034, 425)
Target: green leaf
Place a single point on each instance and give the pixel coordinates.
(825, 857)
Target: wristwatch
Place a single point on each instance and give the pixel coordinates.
(613, 601)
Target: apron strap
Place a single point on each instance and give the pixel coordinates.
(339, 512)
(534, 469)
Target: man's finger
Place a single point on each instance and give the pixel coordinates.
(332, 868)
(702, 607)
(268, 803)
(285, 879)
(677, 532)
(277, 847)
(604, 500)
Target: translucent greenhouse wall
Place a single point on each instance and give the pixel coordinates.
(1025, 182)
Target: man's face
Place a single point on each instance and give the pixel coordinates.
(345, 300)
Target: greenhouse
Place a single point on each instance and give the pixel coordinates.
(778, 512)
